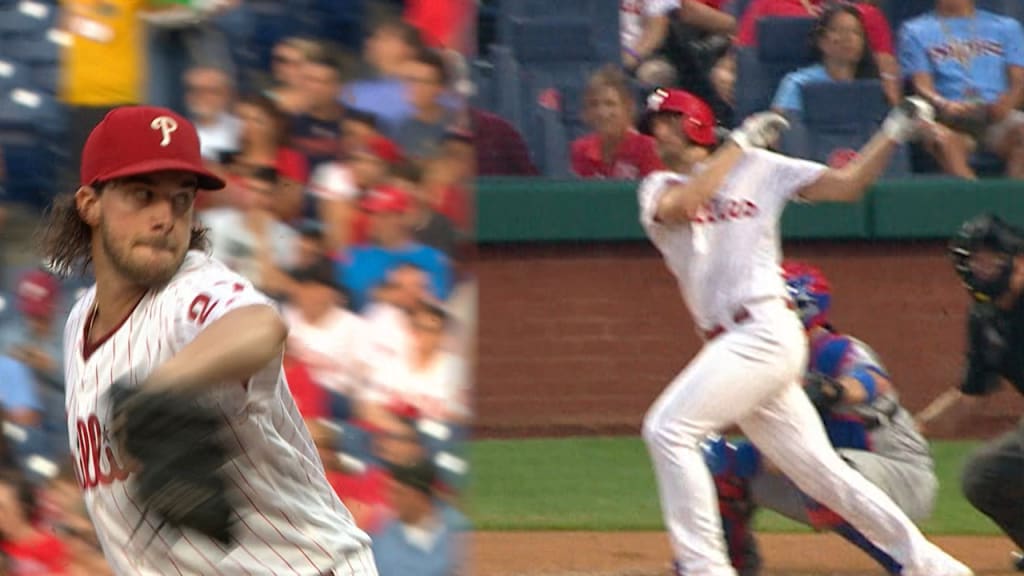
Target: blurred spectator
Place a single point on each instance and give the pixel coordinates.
(251, 240)
(444, 23)
(311, 399)
(643, 28)
(723, 79)
(434, 382)
(364, 267)
(337, 187)
(426, 79)
(28, 550)
(209, 95)
(311, 243)
(970, 64)
(500, 148)
(8, 454)
(614, 149)
(188, 33)
(289, 57)
(388, 48)
(19, 396)
(323, 335)
(430, 228)
(316, 131)
(101, 68)
(425, 537)
(389, 318)
(448, 178)
(876, 29)
(64, 514)
(37, 343)
(262, 146)
(357, 130)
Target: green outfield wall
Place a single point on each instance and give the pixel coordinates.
(513, 210)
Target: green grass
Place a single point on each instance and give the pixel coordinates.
(606, 484)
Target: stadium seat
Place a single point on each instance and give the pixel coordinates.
(785, 40)
(482, 75)
(600, 16)
(27, 19)
(13, 75)
(840, 118)
(1011, 8)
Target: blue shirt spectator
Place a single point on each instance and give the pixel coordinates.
(789, 96)
(382, 97)
(18, 392)
(966, 58)
(367, 266)
(363, 268)
(401, 550)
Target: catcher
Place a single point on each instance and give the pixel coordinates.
(190, 452)
(988, 254)
(864, 421)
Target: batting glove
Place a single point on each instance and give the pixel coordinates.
(904, 122)
(759, 130)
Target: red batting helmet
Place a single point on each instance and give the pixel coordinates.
(698, 118)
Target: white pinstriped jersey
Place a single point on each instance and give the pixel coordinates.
(290, 520)
(729, 253)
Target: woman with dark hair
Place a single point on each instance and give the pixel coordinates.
(839, 43)
(262, 151)
(27, 550)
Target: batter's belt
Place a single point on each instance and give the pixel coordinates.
(742, 315)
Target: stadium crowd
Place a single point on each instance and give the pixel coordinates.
(968, 63)
(350, 162)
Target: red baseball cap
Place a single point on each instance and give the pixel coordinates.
(133, 140)
(37, 293)
(386, 199)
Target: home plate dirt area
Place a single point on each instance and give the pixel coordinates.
(647, 554)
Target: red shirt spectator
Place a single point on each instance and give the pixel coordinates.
(614, 149)
(366, 495)
(444, 23)
(876, 27)
(500, 149)
(42, 555)
(634, 158)
(310, 397)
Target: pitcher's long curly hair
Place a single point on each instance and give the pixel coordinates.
(66, 240)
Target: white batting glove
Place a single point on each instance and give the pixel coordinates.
(905, 121)
(759, 130)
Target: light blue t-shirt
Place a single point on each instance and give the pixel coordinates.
(962, 54)
(788, 96)
(17, 386)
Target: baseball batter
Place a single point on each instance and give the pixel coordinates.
(715, 219)
(164, 315)
(865, 422)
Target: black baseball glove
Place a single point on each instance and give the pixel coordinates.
(177, 447)
(824, 391)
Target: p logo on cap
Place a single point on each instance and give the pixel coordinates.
(136, 140)
(166, 125)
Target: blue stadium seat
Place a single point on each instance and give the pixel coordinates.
(13, 75)
(1011, 8)
(341, 21)
(481, 73)
(783, 46)
(601, 17)
(785, 40)
(34, 51)
(32, 22)
(841, 117)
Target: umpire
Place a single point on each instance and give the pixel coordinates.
(988, 255)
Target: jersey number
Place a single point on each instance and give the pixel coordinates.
(91, 450)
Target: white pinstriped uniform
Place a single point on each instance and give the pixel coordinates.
(290, 520)
(726, 261)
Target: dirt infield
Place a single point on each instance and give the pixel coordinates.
(647, 554)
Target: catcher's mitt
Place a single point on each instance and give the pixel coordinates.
(824, 391)
(179, 450)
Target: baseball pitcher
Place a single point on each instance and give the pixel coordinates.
(191, 454)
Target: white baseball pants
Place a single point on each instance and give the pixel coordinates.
(750, 376)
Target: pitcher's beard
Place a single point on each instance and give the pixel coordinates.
(142, 274)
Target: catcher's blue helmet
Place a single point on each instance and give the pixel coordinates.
(809, 290)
